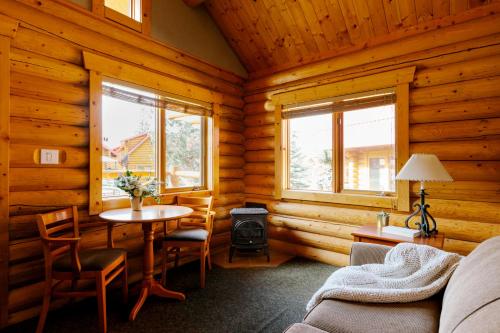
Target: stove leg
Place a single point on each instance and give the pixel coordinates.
(231, 252)
(266, 251)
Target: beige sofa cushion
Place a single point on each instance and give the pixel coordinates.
(303, 328)
(337, 316)
(472, 297)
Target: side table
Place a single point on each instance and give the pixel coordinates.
(370, 234)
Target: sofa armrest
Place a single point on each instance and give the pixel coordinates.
(367, 253)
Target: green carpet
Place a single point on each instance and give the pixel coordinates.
(234, 300)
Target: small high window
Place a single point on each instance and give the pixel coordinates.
(129, 8)
(133, 14)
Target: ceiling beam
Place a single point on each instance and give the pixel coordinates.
(193, 3)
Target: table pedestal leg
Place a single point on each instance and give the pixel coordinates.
(149, 285)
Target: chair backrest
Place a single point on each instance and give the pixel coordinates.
(202, 211)
(61, 224)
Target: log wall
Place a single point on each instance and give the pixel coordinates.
(49, 96)
(454, 113)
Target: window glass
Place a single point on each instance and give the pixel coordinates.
(369, 149)
(130, 8)
(184, 149)
(129, 140)
(310, 153)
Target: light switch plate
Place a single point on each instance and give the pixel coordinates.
(49, 156)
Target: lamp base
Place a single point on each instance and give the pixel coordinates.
(423, 225)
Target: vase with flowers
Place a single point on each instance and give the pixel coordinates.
(137, 188)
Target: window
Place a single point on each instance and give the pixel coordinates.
(310, 158)
(153, 136)
(340, 149)
(184, 150)
(369, 149)
(133, 14)
(129, 8)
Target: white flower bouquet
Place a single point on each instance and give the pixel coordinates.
(137, 187)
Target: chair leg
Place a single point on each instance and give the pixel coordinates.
(209, 259)
(101, 302)
(45, 306)
(177, 251)
(125, 283)
(203, 257)
(164, 257)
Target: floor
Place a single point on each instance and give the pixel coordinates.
(247, 259)
(234, 300)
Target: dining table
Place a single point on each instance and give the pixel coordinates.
(147, 217)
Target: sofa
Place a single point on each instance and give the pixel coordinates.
(469, 303)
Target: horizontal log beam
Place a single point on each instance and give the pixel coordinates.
(463, 110)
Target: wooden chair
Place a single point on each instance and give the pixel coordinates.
(193, 232)
(64, 261)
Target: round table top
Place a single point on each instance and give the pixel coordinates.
(148, 214)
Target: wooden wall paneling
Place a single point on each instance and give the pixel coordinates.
(47, 133)
(37, 65)
(454, 130)
(35, 87)
(408, 13)
(281, 26)
(440, 8)
(299, 20)
(32, 39)
(95, 144)
(50, 109)
(353, 24)
(108, 45)
(313, 22)
(4, 166)
(453, 113)
(424, 10)
(423, 41)
(215, 150)
(462, 110)
(354, 85)
(459, 91)
(232, 29)
(55, 112)
(442, 55)
(467, 70)
(459, 150)
(280, 132)
(74, 15)
(485, 191)
(140, 76)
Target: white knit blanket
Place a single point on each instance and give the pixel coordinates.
(409, 273)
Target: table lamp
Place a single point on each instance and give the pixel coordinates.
(423, 168)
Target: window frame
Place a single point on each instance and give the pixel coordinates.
(398, 80)
(144, 26)
(102, 67)
(160, 150)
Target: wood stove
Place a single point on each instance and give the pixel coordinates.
(249, 231)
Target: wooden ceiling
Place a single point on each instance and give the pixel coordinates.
(269, 34)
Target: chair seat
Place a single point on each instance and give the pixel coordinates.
(91, 260)
(187, 235)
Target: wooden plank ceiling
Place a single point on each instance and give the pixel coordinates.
(269, 34)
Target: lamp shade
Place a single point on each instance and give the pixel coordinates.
(425, 168)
